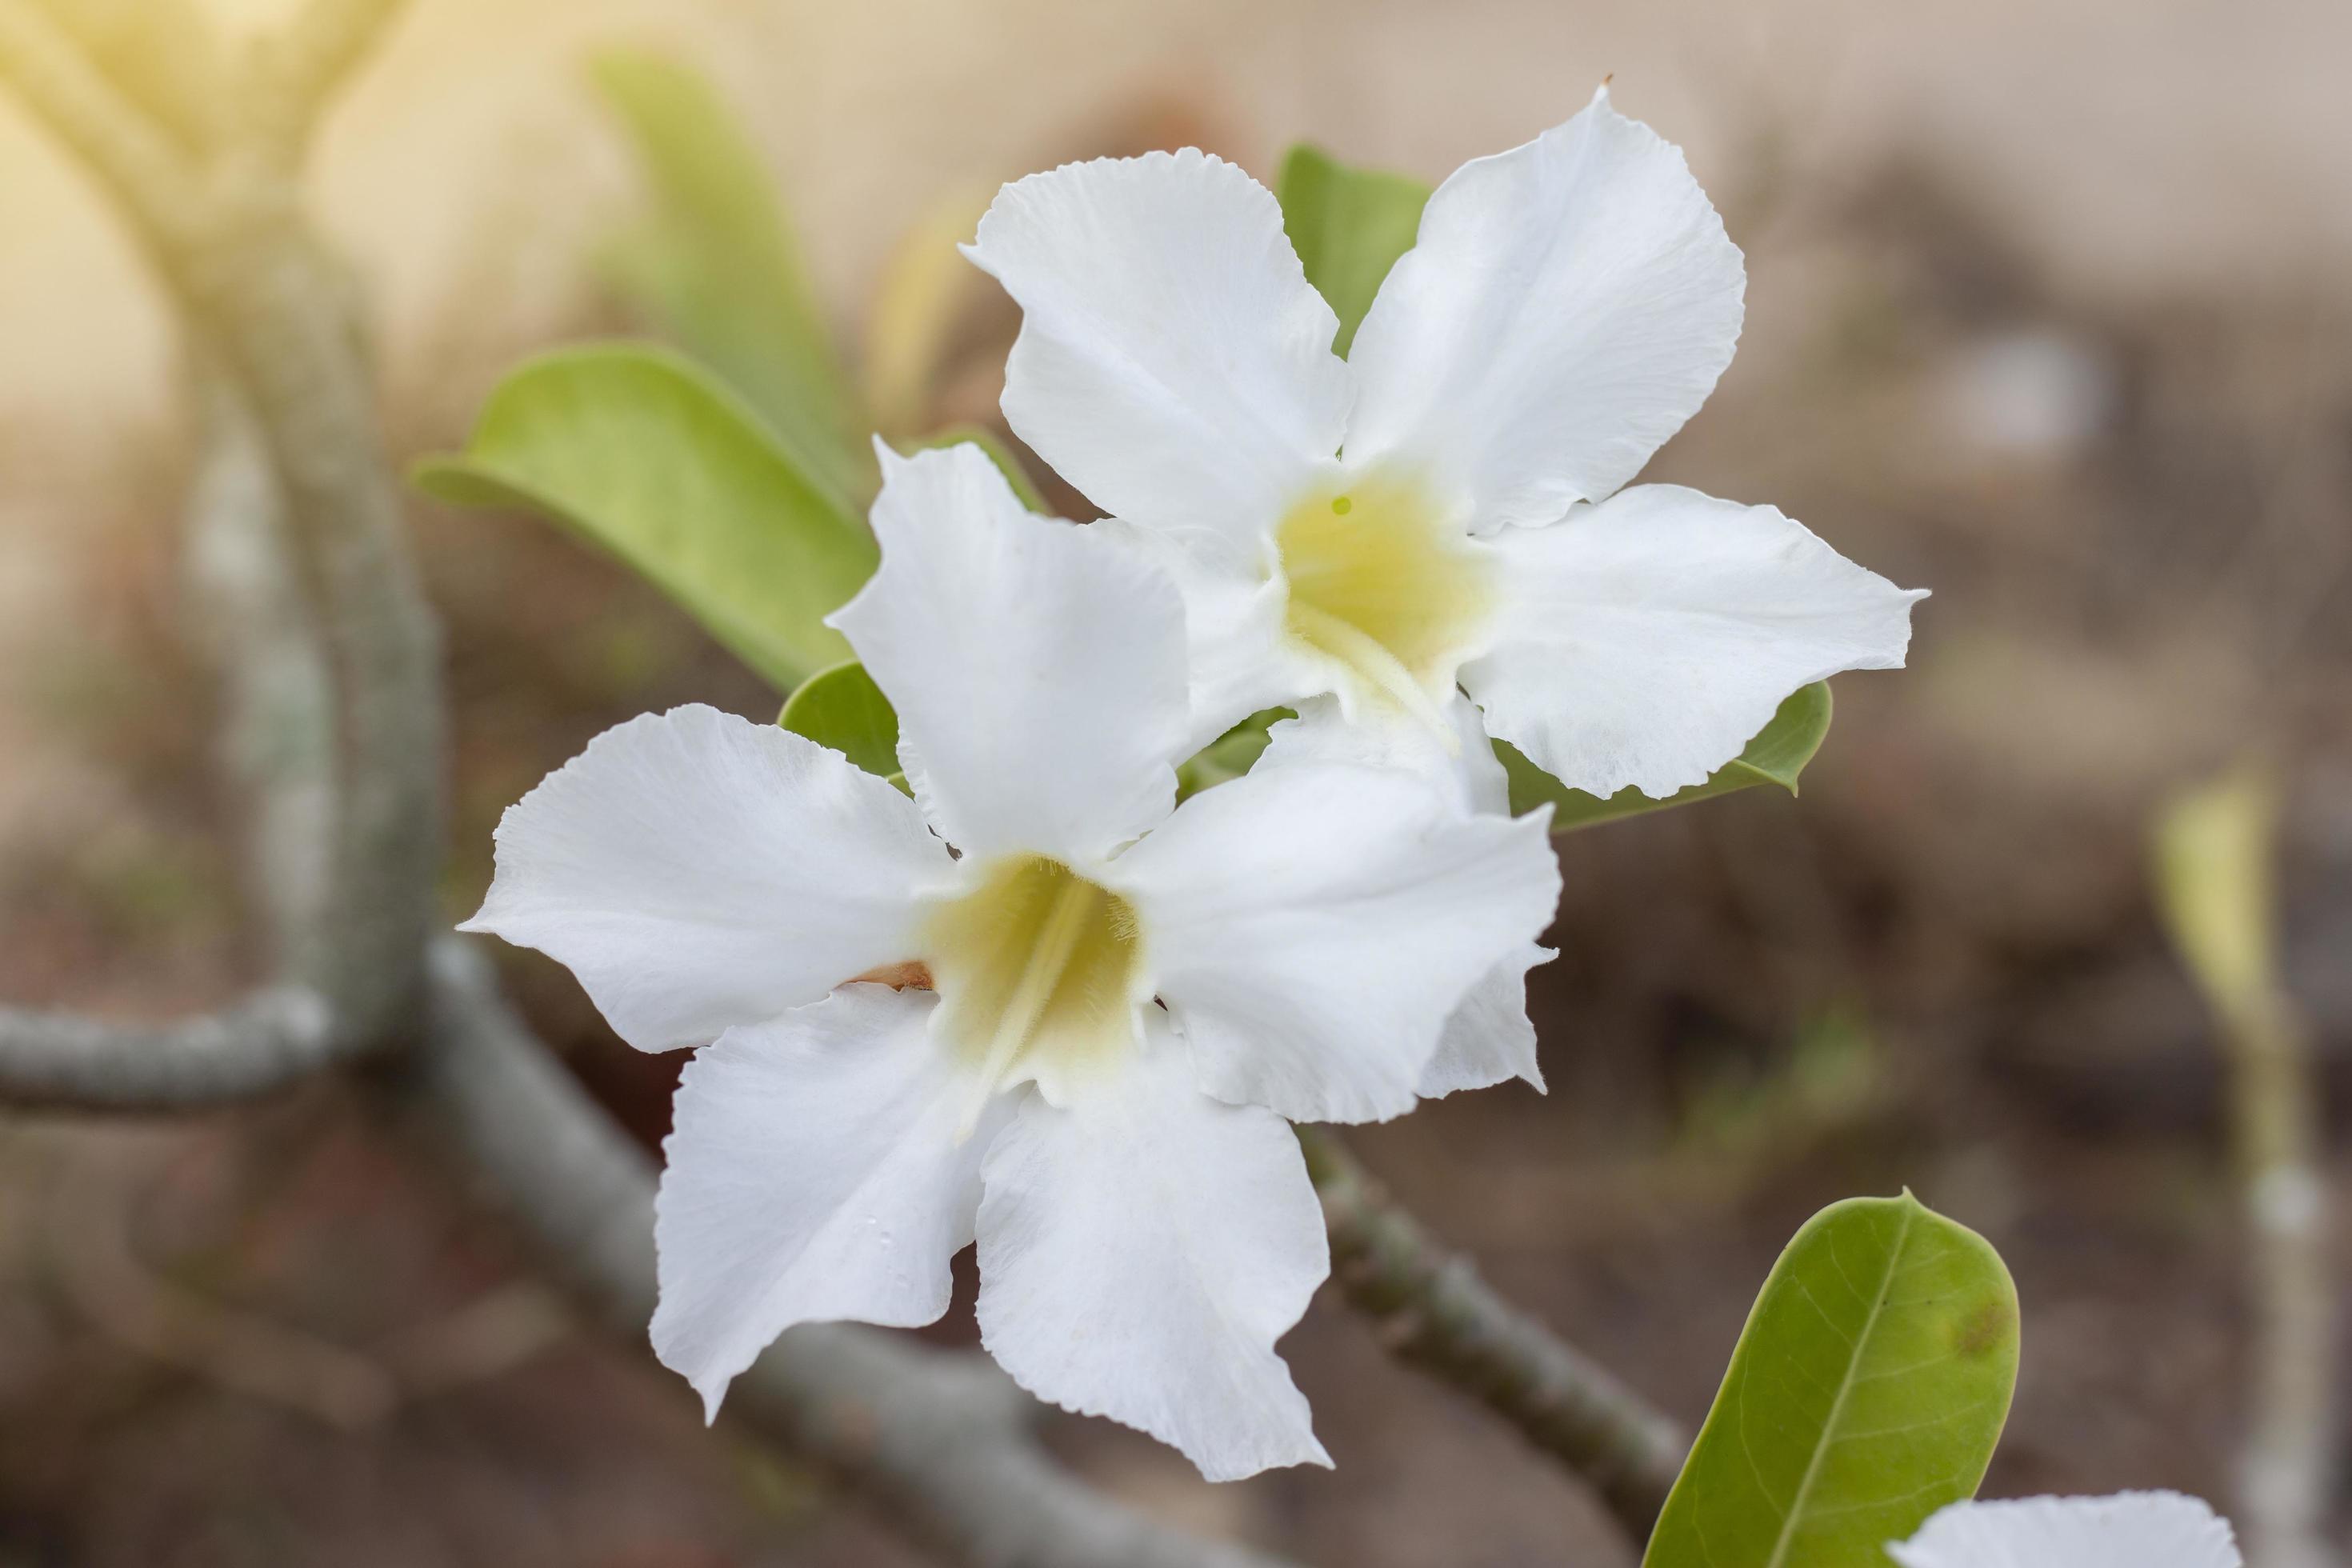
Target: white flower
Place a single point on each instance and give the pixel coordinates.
(2132, 1530)
(1124, 1003)
(1443, 506)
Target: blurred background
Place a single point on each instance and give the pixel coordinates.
(2050, 311)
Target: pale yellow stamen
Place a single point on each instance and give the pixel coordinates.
(1035, 968)
(1385, 583)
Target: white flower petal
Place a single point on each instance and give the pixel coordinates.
(696, 871)
(818, 1171)
(1311, 928)
(1141, 1251)
(1038, 671)
(1489, 1038)
(1650, 638)
(2132, 1530)
(1240, 657)
(1173, 363)
(1460, 763)
(1569, 304)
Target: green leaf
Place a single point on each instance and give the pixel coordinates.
(842, 707)
(1866, 1392)
(640, 452)
(1776, 757)
(1229, 756)
(1349, 226)
(714, 264)
(1016, 472)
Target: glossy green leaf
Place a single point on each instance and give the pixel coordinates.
(646, 455)
(1349, 226)
(1866, 1392)
(1008, 463)
(842, 707)
(714, 264)
(1229, 756)
(1776, 757)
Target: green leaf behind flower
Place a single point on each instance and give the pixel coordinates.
(842, 707)
(714, 264)
(646, 455)
(1866, 1392)
(1230, 755)
(1349, 226)
(1776, 757)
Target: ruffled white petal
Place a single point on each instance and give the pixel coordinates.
(1648, 639)
(698, 871)
(1312, 928)
(1569, 304)
(1488, 1039)
(819, 1170)
(2132, 1530)
(1174, 364)
(1038, 671)
(1141, 1251)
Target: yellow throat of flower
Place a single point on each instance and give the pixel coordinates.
(1037, 969)
(1386, 584)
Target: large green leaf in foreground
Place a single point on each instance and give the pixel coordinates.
(640, 451)
(715, 264)
(1349, 226)
(1867, 1392)
(1776, 757)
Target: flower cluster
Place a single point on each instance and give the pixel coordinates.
(1036, 1004)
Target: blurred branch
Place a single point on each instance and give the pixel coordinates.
(91, 1219)
(276, 748)
(56, 1061)
(257, 287)
(1430, 1309)
(119, 142)
(2215, 850)
(298, 70)
(938, 1441)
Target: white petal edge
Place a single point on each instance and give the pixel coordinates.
(1038, 671)
(2131, 1529)
(1569, 304)
(1141, 1251)
(1647, 639)
(696, 871)
(1173, 363)
(820, 1168)
(1312, 928)
(1489, 1038)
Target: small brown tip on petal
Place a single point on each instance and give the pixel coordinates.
(913, 975)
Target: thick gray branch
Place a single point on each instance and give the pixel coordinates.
(53, 1061)
(1431, 1310)
(938, 1441)
(259, 289)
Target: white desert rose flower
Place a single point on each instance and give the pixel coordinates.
(2132, 1530)
(1075, 1039)
(1368, 540)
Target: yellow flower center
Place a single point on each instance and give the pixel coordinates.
(1384, 583)
(1035, 968)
